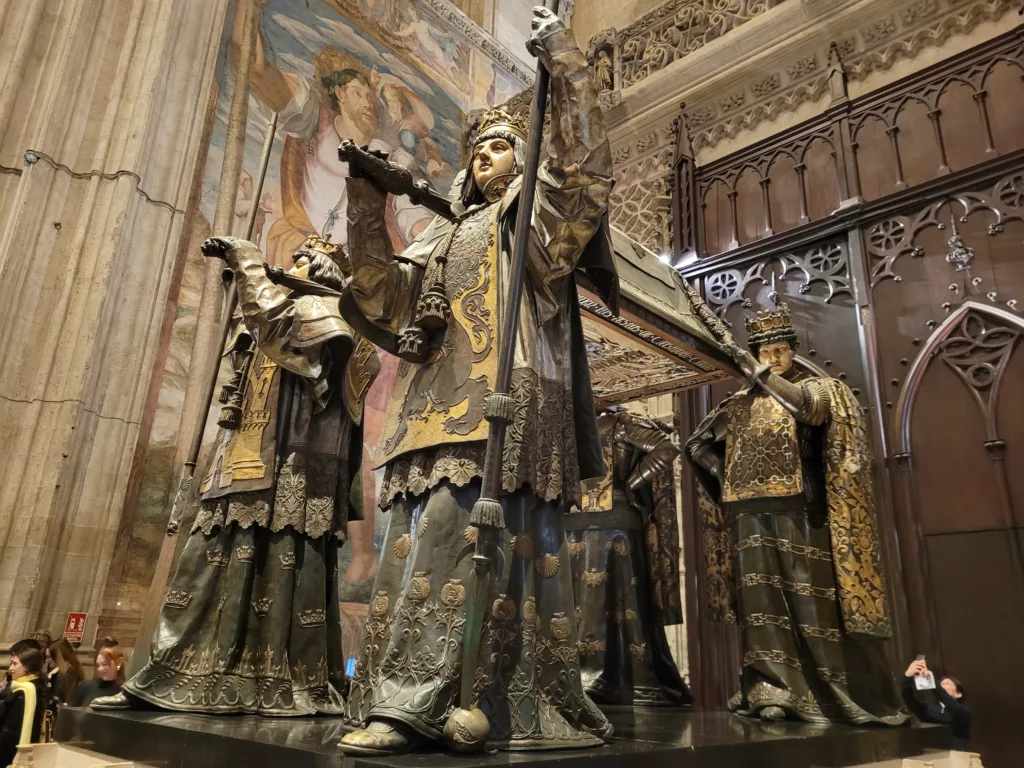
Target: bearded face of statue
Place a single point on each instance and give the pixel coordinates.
(778, 355)
(492, 158)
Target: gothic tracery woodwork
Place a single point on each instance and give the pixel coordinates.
(825, 263)
(895, 237)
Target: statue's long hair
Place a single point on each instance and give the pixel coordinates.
(471, 194)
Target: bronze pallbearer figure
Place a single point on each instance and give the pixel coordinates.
(790, 535)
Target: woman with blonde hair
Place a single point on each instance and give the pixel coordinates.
(67, 672)
(108, 679)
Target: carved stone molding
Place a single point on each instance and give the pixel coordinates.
(875, 45)
(640, 202)
(677, 28)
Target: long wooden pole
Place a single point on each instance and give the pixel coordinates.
(165, 561)
(486, 514)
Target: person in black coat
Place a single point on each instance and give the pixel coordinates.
(946, 708)
(25, 702)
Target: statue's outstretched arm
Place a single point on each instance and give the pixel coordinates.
(384, 287)
(575, 179)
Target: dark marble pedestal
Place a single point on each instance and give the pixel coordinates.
(643, 739)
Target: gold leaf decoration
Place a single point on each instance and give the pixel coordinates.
(419, 587)
(503, 609)
(453, 594)
(470, 534)
(403, 546)
(546, 565)
(522, 546)
(561, 627)
(422, 527)
(576, 548)
(380, 604)
(593, 578)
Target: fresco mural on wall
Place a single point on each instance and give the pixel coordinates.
(391, 74)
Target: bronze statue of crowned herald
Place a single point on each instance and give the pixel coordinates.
(471, 634)
(792, 547)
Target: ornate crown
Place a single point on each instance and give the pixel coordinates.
(501, 118)
(177, 598)
(770, 326)
(218, 558)
(314, 617)
(335, 251)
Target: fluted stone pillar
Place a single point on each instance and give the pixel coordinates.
(101, 117)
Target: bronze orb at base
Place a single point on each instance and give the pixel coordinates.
(466, 731)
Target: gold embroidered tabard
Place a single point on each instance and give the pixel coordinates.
(762, 455)
(441, 402)
(248, 456)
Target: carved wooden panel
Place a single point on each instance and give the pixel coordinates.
(944, 119)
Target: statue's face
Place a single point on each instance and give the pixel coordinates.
(492, 158)
(301, 266)
(778, 355)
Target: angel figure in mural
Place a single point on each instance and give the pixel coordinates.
(314, 117)
(785, 490)
(250, 623)
(624, 548)
(407, 677)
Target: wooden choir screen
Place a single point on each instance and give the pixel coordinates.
(893, 225)
(946, 118)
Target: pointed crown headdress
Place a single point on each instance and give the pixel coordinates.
(334, 251)
(500, 120)
(769, 326)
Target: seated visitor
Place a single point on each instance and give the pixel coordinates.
(25, 702)
(108, 679)
(65, 671)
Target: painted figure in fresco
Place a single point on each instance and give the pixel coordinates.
(785, 488)
(250, 623)
(407, 676)
(624, 549)
(314, 117)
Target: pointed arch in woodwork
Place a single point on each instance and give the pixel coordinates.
(982, 374)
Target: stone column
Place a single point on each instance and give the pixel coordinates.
(101, 117)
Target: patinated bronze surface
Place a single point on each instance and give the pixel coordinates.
(439, 307)
(250, 623)
(624, 550)
(792, 549)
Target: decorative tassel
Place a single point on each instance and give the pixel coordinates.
(487, 512)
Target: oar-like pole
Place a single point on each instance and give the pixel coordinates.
(466, 729)
(230, 302)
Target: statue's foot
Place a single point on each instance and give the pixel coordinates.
(377, 738)
(773, 714)
(117, 701)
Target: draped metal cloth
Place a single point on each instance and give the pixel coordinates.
(624, 548)
(528, 676)
(792, 554)
(433, 442)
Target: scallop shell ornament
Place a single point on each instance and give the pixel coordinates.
(403, 546)
(546, 565)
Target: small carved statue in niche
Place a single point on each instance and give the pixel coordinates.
(439, 305)
(785, 491)
(624, 550)
(251, 623)
(603, 71)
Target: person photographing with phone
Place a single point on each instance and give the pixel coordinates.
(946, 707)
